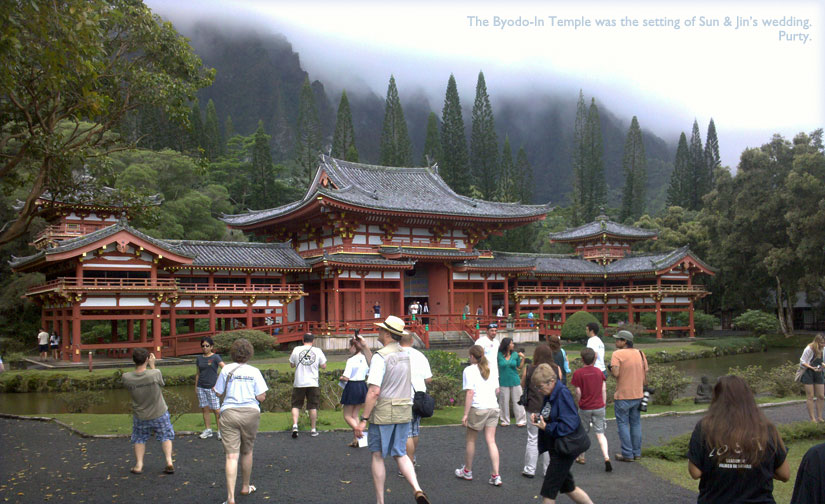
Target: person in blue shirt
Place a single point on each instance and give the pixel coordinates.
(558, 418)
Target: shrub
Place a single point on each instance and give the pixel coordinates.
(446, 391)
(780, 380)
(757, 322)
(704, 322)
(260, 340)
(753, 375)
(668, 382)
(648, 320)
(574, 327)
(79, 402)
(177, 404)
(447, 364)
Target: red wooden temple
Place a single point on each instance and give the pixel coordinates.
(361, 235)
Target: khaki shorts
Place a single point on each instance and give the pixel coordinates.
(239, 427)
(478, 419)
(596, 417)
(311, 394)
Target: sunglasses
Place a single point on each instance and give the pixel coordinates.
(206, 345)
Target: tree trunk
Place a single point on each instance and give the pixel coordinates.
(784, 311)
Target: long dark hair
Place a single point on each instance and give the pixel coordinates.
(504, 347)
(733, 420)
(543, 354)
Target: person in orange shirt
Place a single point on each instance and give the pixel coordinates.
(629, 366)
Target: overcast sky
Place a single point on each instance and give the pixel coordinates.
(753, 81)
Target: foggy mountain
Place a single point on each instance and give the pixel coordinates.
(259, 77)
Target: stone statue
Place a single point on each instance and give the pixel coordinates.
(704, 392)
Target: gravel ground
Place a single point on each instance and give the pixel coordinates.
(43, 462)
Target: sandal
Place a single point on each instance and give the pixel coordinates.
(353, 444)
(170, 469)
(135, 471)
(421, 497)
(252, 490)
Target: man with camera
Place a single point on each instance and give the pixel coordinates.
(388, 406)
(629, 366)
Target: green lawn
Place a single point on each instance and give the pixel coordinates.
(677, 472)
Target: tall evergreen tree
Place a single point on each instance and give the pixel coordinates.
(578, 157)
(263, 172)
(343, 140)
(523, 178)
(595, 186)
(211, 133)
(678, 192)
(712, 158)
(699, 171)
(308, 141)
(455, 167)
(507, 190)
(432, 142)
(635, 172)
(484, 143)
(283, 134)
(228, 128)
(196, 121)
(396, 149)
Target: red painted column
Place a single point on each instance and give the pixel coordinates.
(156, 343)
(451, 288)
(400, 295)
(323, 296)
(75, 332)
(658, 319)
(173, 320)
(692, 327)
(212, 318)
(65, 341)
(363, 297)
(506, 295)
(336, 298)
(130, 330)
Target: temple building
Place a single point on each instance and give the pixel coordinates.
(363, 237)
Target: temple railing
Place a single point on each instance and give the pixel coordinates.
(526, 291)
(188, 288)
(170, 285)
(65, 231)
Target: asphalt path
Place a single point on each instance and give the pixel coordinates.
(43, 462)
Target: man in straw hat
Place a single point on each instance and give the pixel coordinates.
(388, 406)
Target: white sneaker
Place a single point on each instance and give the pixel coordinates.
(219, 435)
(495, 480)
(294, 431)
(206, 434)
(313, 433)
(464, 474)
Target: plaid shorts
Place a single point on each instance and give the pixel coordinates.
(161, 426)
(207, 398)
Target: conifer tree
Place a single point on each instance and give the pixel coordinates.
(523, 178)
(432, 141)
(262, 169)
(484, 143)
(507, 190)
(308, 141)
(699, 172)
(283, 140)
(635, 172)
(211, 133)
(396, 149)
(196, 134)
(228, 128)
(343, 140)
(712, 158)
(578, 158)
(595, 187)
(678, 191)
(455, 168)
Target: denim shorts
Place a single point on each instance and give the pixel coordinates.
(389, 439)
(415, 426)
(161, 426)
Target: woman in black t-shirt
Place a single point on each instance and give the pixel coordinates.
(735, 452)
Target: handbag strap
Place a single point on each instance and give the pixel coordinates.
(644, 364)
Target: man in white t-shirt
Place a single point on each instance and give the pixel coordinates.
(594, 342)
(490, 345)
(306, 359)
(500, 312)
(43, 344)
(421, 376)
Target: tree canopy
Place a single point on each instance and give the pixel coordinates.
(72, 70)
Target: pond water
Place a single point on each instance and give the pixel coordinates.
(118, 401)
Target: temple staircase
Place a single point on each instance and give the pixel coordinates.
(440, 339)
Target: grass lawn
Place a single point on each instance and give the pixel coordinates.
(677, 472)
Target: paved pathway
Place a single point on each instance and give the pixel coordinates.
(42, 462)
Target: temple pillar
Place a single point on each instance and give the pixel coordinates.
(323, 296)
(363, 297)
(249, 316)
(401, 294)
(76, 332)
(658, 318)
(450, 288)
(336, 299)
(156, 343)
(65, 341)
(212, 319)
(130, 330)
(690, 313)
(173, 320)
(506, 295)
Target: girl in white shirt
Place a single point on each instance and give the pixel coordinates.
(355, 390)
(480, 413)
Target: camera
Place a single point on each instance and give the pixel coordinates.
(646, 398)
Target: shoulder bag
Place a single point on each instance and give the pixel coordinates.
(423, 404)
(574, 444)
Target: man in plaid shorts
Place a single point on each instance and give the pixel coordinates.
(149, 408)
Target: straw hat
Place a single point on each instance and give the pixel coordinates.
(393, 325)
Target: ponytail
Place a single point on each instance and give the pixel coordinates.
(483, 366)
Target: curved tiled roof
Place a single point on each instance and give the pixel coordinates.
(600, 226)
(241, 254)
(359, 259)
(414, 190)
(446, 253)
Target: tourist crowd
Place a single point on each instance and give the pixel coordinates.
(735, 451)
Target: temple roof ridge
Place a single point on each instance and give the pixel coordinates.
(603, 225)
